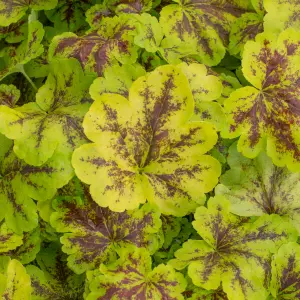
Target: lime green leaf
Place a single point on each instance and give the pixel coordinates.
(94, 235)
(132, 277)
(109, 44)
(171, 227)
(53, 122)
(15, 32)
(9, 240)
(204, 25)
(256, 187)
(9, 95)
(12, 11)
(20, 183)
(233, 251)
(15, 282)
(146, 148)
(285, 282)
(281, 15)
(116, 79)
(267, 113)
(15, 57)
(53, 280)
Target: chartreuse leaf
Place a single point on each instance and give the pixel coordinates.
(281, 15)
(70, 15)
(93, 235)
(204, 25)
(53, 279)
(16, 32)
(9, 95)
(285, 282)
(53, 122)
(12, 11)
(20, 183)
(116, 79)
(14, 281)
(233, 252)
(266, 115)
(131, 277)
(15, 57)
(257, 187)
(146, 148)
(111, 42)
(9, 240)
(246, 28)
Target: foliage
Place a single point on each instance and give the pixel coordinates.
(149, 149)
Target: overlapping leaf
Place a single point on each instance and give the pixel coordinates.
(12, 11)
(232, 249)
(146, 148)
(108, 44)
(15, 32)
(256, 187)
(285, 282)
(267, 115)
(8, 239)
(9, 95)
(131, 277)
(53, 279)
(53, 122)
(203, 24)
(94, 235)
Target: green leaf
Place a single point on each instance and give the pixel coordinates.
(20, 183)
(131, 277)
(14, 281)
(9, 95)
(15, 32)
(204, 25)
(233, 251)
(146, 148)
(266, 115)
(171, 227)
(53, 280)
(116, 79)
(93, 235)
(285, 282)
(12, 11)
(9, 240)
(257, 187)
(15, 57)
(110, 43)
(53, 122)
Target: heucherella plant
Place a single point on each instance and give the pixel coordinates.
(149, 149)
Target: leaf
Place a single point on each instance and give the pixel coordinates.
(12, 11)
(15, 32)
(145, 148)
(53, 122)
(9, 95)
(9, 240)
(16, 281)
(268, 112)
(70, 15)
(15, 57)
(20, 183)
(171, 227)
(108, 44)
(285, 283)
(93, 235)
(117, 79)
(131, 277)
(203, 24)
(233, 251)
(257, 187)
(53, 280)
(281, 15)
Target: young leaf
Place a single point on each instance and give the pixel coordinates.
(232, 251)
(14, 281)
(20, 183)
(94, 235)
(171, 227)
(146, 148)
(12, 11)
(285, 282)
(256, 187)
(108, 44)
(131, 277)
(9, 95)
(205, 25)
(268, 112)
(53, 122)
(53, 280)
